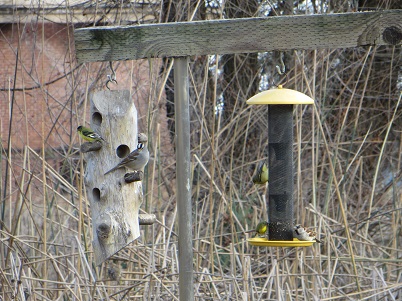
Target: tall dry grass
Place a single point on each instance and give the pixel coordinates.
(348, 187)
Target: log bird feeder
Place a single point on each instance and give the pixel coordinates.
(115, 198)
(280, 103)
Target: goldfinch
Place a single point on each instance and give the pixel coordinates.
(261, 229)
(138, 158)
(302, 233)
(261, 177)
(88, 134)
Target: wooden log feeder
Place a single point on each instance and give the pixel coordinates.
(280, 103)
(114, 201)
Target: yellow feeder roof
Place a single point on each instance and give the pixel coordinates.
(263, 242)
(280, 96)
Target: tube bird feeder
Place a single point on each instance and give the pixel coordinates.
(280, 103)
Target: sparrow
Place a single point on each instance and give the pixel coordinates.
(88, 134)
(302, 233)
(261, 176)
(138, 158)
(261, 229)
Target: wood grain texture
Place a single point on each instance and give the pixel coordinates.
(238, 36)
(114, 204)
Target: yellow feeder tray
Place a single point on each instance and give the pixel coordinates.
(280, 96)
(263, 242)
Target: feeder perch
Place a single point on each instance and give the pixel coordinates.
(90, 147)
(133, 176)
(263, 242)
(280, 103)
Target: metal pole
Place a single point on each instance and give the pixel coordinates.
(183, 186)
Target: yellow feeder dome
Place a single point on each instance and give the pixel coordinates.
(280, 96)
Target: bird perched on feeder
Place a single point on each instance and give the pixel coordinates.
(88, 134)
(138, 158)
(261, 177)
(302, 233)
(261, 229)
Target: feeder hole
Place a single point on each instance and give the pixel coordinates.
(122, 151)
(103, 231)
(96, 194)
(97, 118)
(392, 35)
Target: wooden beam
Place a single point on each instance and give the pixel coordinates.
(238, 36)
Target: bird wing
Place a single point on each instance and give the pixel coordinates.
(88, 133)
(131, 157)
(94, 135)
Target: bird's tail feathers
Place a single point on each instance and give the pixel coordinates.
(113, 169)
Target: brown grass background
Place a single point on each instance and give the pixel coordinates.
(347, 153)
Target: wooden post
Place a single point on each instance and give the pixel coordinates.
(114, 203)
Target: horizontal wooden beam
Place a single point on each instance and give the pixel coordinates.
(238, 36)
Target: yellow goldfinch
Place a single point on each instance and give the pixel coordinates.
(261, 229)
(138, 158)
(261, 177)
(88, 134)
(302, 233)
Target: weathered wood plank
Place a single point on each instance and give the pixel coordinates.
(238, 36)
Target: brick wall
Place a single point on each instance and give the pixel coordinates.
(41, 59)
(51, 93)
(50, 100)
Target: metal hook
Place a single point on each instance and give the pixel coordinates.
(281, 69)
(111, 78)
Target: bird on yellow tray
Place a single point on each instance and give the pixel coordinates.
(302, 233)
(138, 158)
(88, 134)
(261, 229)
(261, 176)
